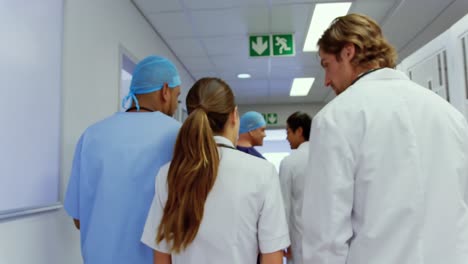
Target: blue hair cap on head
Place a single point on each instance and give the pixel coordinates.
(251, 121)
(150, 75)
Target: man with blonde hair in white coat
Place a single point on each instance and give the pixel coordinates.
(292, 173)
(387, 163)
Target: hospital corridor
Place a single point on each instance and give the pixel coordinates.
(234, 132)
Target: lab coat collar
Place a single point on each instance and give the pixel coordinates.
(386, 74)
(223, 140)
(304, 144)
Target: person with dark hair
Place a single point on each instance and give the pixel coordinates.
(215, 204)
(388, 163)
(298, 129)
(112, 180)
(292, 170)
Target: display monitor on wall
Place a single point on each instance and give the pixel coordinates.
(30, 66)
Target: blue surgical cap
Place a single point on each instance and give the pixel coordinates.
(149, 75)
(250, 121)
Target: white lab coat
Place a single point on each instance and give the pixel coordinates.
(292, 173)
(243, 213)
(386, 168)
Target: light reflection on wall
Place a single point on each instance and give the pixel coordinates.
(275, 146)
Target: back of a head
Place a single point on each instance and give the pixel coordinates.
(300, 119)
(150, 75)
(370, 44)
(250, 121)
(214, 97)
(194, 166)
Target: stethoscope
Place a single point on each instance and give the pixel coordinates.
(141, 108)
(225, 146)
(364, 74)
(151, 110)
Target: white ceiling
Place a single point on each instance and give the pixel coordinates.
(210, 38)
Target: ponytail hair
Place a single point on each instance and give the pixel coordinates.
(195, 162)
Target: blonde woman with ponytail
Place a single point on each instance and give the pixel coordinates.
(213, 203)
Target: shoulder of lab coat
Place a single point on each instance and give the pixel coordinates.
(338, 132)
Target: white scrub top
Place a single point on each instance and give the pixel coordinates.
(292, 173)
(244, 212)
(386, 168)
(112, 184)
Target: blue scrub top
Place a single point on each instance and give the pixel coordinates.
(251, 151)
(112, 184)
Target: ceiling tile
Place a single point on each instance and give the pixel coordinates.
(291, 18)
(186, 47)
(202, 74)
(286, 72)
(250, 87)
(309, 59)
(219, 4)
(279, 72)
(236, 21)
(377, 9)
(197, 64)
(288, 100)
(241, 63)
(299, 39)
(252, 100)
(411, 13)
(157, 6)
(228, 45)
(280, 87)
(286, 65)
(305, 60)
(258, 73)
(172, 24)
(276, 2)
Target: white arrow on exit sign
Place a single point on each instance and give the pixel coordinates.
(259, 46)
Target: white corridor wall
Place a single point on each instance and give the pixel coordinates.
(442, 64)
(93, 33)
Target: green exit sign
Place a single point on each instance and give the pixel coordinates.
(283, 44)
(270, 118)
(259, 45)
(271, 45)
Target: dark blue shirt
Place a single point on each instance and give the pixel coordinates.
(251, 151)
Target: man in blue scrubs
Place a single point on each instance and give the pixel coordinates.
(112, 181)
(251, 133)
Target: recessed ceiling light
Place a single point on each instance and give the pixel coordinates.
(323, 15)
(243, 75)
(301, 86)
